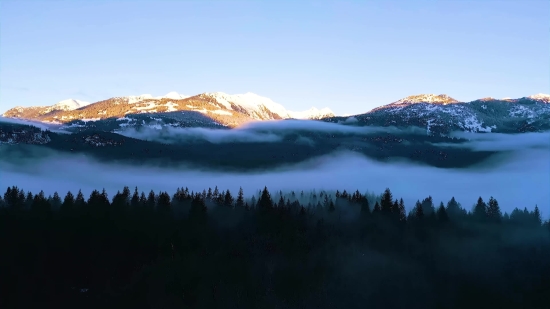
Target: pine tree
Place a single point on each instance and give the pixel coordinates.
(134, 202)
(493, 211)
(395, 210)
(79, 201)
(68, 204)
(164, 203)
(281, 203)
(28, 200)
(377, 208)
(216, 193)
(240, 198)
(386, 203)
(142, 200)
(265, 203)
(428, 206)
(418, 210)
(442, 215)
(151, 201)
(228, 199)
(453, 209)
(209, 194)
(56, 201)
(331, 207)
(365, 209)
(536, 216)
(480, 210)
(402, 213)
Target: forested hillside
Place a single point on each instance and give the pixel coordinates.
(215, 249)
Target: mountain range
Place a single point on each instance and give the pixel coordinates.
(438, 114)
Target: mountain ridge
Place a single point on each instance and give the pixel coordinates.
(437, 113)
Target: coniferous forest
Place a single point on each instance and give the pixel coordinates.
(222, 249)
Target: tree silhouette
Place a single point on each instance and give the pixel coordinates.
(442, 215)
(240, 198)
(480, 210)
(493, 211)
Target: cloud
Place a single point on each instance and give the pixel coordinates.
(261, 131)
(172, 135)
(517, 179)
(41, 125)
(325, 127)
(500, 142)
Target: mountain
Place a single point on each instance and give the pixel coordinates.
(36, 112)
(438, 114)
(441, 114)
(206, 109)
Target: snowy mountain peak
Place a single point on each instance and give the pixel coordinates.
(427, 98)
(540, 97)
(257, 106)
(174, 96)
(312, 113)
(69, 104)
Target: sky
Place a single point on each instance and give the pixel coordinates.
(350, 56)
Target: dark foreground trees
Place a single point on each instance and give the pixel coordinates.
(275, 250)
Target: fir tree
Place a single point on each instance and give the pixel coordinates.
(331, 207)
(386, 203)
(134, 202)
(402, 213)
(377, 208)
(56, 201)
(164, 203)
(209, 194)
(428, 206)
(493, 211)
(79, 201)
(240, 198)
(536, 216)
(68, 204)
(365, 209)
(265, 203)
(228, 199)
(151, 201)
(442, 215)
(480, 210)
(418, 210)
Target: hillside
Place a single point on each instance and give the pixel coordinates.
(218, 108)
(442, 114)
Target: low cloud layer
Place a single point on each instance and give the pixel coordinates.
(43, 126)
(172, 135)
(260, 131)
(518, 178)
(503, 142)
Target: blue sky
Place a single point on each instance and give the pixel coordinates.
(350, 56)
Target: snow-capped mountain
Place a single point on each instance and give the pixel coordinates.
(436, 113)
(262, 108)
(440, 114)
(35, 112)
(216, 108)
(426, 98)
(69, 105)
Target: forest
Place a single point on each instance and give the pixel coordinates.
(218, 249)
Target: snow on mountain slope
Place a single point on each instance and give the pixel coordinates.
(540, 97)
(174, 96)
(442, 114)
(312, 113)
(69, 104)
(426, 98)
(262, 108)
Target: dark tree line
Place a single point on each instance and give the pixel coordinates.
(212, 249)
